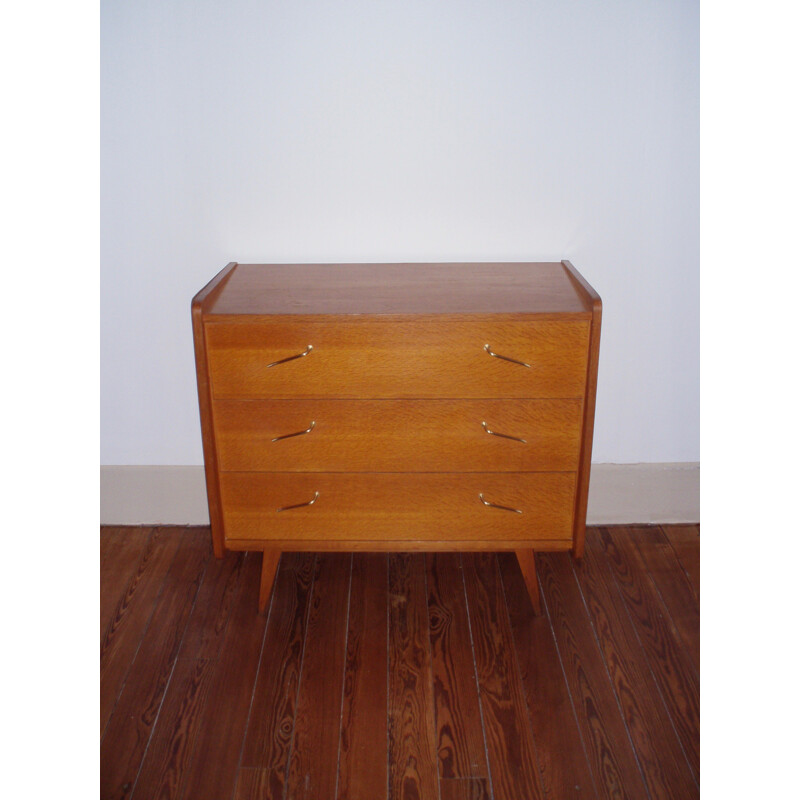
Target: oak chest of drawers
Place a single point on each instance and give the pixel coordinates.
(397, 407)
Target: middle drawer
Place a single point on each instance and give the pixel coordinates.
(398, 435)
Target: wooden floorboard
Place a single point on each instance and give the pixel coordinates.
(220, 720)
(614, 764)
(464, 789)
(364, 746)
(560, 748)
(271, 727)
(655, 556)
(419, 676)
(685, 542)
(413, 771)
(671, 665)
(509, 739)
(314, 760)
(667, 772)
(121, 551)
(460, 742)
(128, 733)
(131, 616)
(171, 744)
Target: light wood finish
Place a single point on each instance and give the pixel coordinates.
(386, 545)
(199, 302)
(416, 359)
(527, 565)
(398, 435)
(269, 566)
(414, 289)
(582, 495)
(412, 506)
(390, 377)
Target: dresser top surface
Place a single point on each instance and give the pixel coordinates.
(411, 288)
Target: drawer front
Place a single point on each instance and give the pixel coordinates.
(383, 359)
(397, 507)
(398, 435)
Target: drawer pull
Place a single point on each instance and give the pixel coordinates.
(494, 505)
(298, 433)
(495, 433)
(505, 358)
(291, 358)
(301, 505)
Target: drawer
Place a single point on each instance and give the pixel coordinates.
(397, 508)
(390, 359)
(398, 435)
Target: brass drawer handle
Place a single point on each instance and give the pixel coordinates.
(298, 433)
(505, 358)
(301, 505)
(291, 358)
(494, 505)
(495, 433)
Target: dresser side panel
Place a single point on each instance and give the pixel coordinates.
(584, 472)
(199, 301)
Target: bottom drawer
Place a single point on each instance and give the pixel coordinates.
(411, 508)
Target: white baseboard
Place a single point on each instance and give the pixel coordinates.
(619, 494)
(622, 494)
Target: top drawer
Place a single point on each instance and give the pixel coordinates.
(388, 359)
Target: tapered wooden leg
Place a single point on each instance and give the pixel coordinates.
(269, 566)
(527, 563)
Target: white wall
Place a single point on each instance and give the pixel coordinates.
(236, 130)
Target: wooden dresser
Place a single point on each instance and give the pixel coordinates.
(397, 407)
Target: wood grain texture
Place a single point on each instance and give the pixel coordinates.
(412, 727)
(269, 566)
(131, 617)
(459, 730)
(465, 288)
(398, 435)
(271, 727)
(592, 299)
(199, 304)
(363, 750)
(564, 768)
(527, 567)
(509, 739)
(315, 746)
(128, 731)
(657, 558)
(685, 541)
(667, 772)
(213, 607)
(254, 783)
(227, 700)
(390, 370)
(419, 359)
(388, 545)
(464, 789)
(170, 748)
(671, 665)
(121, 551)
(614, 764)
(607, 641)
(419, 506)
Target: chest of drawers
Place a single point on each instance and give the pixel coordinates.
(397, 407)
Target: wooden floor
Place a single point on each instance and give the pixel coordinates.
(403, 676)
